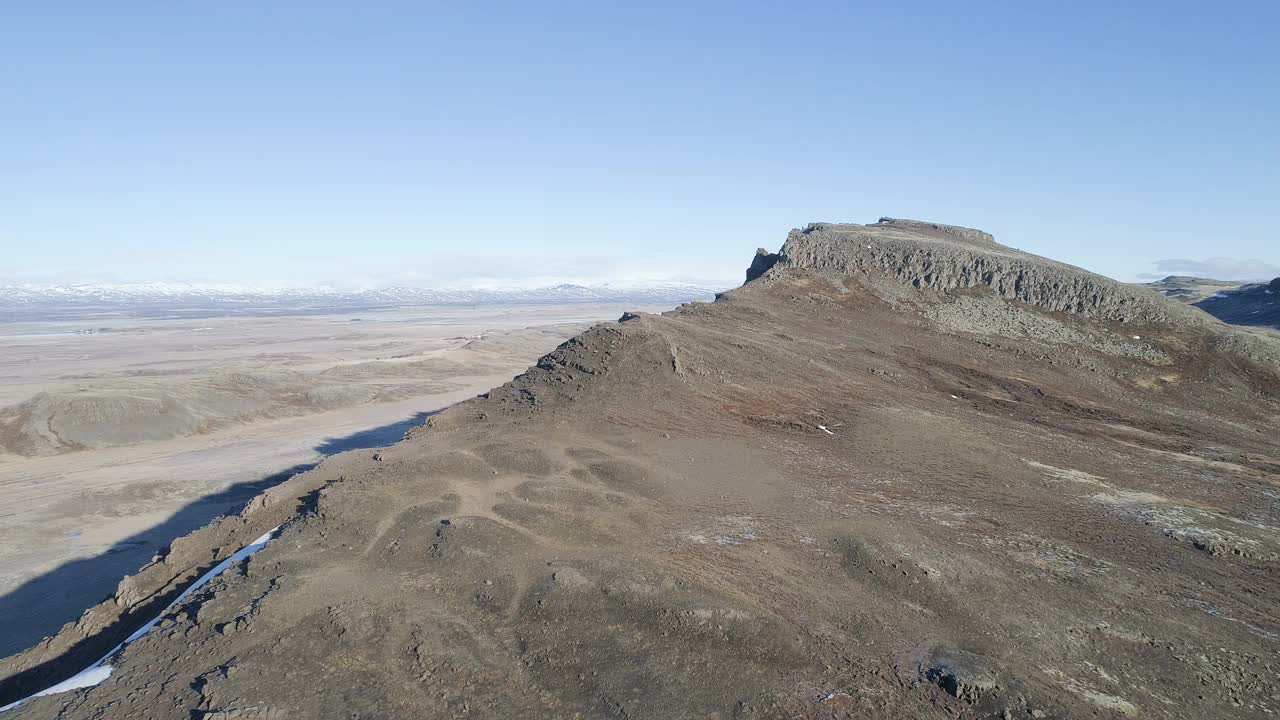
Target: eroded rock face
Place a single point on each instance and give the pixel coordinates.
(944, 258)
(761, 263)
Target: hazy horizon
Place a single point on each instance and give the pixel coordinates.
(1218, 268)
(534, 283)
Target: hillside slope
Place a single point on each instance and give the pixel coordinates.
(903, 472)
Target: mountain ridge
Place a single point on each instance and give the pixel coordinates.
(1250, 304)
(864, 484)
(939, 258)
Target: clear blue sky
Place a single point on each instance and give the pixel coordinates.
(424, 143)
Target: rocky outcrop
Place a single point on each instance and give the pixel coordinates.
(942, 258)
(761, 263)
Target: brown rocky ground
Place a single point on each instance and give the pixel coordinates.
(905, 473)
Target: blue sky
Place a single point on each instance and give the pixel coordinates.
(361, 144)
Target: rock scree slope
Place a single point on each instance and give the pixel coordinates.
(904, 472)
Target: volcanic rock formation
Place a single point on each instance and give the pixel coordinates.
(904, 472)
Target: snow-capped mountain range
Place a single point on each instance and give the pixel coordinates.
(37, 302)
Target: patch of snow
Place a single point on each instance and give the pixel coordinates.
(100, 670)
(217, 570)
(1137, 337)
(88, 678)
(824, 429)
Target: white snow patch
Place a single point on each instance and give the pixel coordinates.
(88, 678)
(217, 570)
(100, 671)
(824, 429)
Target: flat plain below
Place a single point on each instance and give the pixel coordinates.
(73, 521)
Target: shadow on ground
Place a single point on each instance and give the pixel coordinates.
(60, 595)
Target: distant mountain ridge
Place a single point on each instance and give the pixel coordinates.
(1239, 303)
(1188, 289)
(53, 302)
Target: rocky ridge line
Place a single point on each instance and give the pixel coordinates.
(931, 256)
